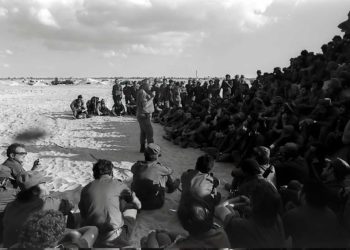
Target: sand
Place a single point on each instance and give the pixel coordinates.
(70, 147)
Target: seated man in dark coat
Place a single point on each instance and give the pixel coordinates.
(151, 179)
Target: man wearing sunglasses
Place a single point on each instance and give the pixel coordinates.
(9, 172)
(16, 154)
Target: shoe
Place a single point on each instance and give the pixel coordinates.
(136, 201)
(175, 186)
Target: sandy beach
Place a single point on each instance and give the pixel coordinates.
(70, 147)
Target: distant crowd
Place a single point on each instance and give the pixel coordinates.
(287, 133)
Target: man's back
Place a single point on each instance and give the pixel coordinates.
(152, 171)
(99, 204)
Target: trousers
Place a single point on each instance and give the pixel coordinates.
(146, 128)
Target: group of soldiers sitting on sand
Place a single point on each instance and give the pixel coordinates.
(97, 107)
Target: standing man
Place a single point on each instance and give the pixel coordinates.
(145, 108)
(117, 92)
(226, 87)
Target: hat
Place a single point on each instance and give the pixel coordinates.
(277, 100)
(346, 134)
(341, 167)
(31, 179)
(294, 185)
(290, 148)
(325, 102)
(152, 149)
(250, 167)
(262, 151)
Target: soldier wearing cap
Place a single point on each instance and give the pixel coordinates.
(145, 108)
(151, 179)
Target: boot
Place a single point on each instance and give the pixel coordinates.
(142, 149)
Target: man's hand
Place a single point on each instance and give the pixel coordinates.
(36, 164)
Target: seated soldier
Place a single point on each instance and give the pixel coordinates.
(262, 156)
(197, 218)
(118, 108)
(151, 179)
(109, 205)
(78, 108)
(246, 177)
(200, 179)
(102, 108)
(92, 106)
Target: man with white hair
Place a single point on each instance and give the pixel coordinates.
(145, 108)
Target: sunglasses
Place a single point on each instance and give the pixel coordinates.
(21, 153)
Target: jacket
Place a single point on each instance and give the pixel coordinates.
(144, 103)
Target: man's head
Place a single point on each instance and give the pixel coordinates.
(227, 77)
(80, 97)
(262, 155)
(289, 150)
(345, 26)
(341, 169)
(146, 84)
(152, 152)
(195, 215)
(17, 152)
(102, 167)
(205, 163)
(250, 167)
(313, 194)
(43, 229)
